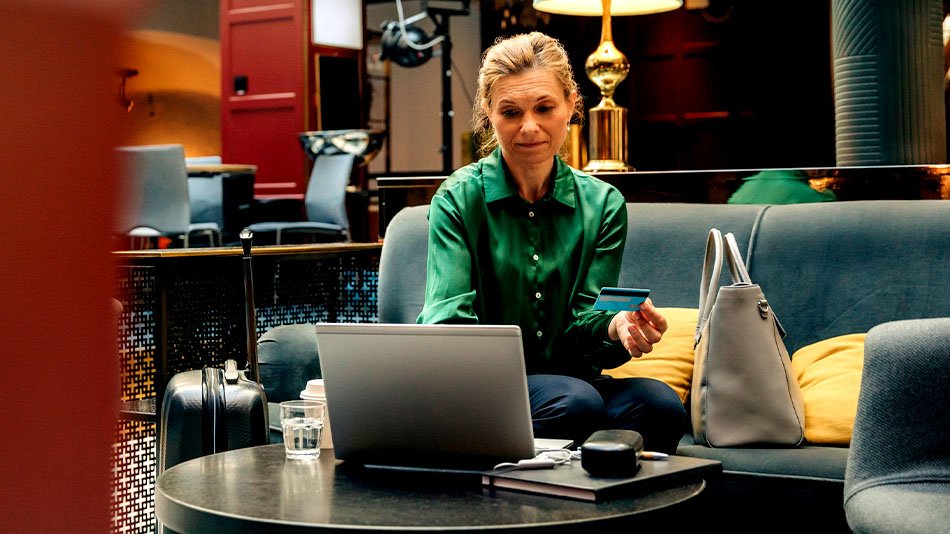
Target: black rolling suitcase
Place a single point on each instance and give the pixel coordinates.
(213, 410)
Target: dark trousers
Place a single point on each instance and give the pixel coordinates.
(572, 408)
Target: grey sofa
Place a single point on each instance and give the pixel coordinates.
(827, 269)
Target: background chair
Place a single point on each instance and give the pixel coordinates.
(898, 473)
(325, 203)
(206, 201)
(155, 199)
(203, 160)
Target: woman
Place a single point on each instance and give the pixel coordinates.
(521, 238)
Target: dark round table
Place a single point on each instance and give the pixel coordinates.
(258, 490)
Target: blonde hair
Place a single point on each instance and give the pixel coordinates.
(514, 55)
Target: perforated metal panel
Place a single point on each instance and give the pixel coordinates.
(187, 312)
(136, 334)
(133, 449)
(133, 477)
(204, 315)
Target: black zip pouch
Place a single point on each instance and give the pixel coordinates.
(612, 453)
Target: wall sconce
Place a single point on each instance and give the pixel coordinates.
(125, 74)
(607, 67)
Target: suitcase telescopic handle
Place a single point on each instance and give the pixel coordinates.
(250, 314)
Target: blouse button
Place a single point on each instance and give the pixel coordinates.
(540, 333)
(536, 257)
(530, 214)
(537, 295)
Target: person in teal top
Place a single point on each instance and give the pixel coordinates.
(521, 238)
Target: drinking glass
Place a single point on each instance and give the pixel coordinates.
(302, 422)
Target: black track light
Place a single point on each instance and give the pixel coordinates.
(395, 46)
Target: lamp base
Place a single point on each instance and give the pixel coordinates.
(608, 139)
(607, 165)
(574, 150)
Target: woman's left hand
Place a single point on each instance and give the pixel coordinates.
(638, 331)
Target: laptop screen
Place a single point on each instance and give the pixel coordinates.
(426, 395)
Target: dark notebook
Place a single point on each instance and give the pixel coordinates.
(571, 481)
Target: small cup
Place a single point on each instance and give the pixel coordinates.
(302, 422)
(315, 391)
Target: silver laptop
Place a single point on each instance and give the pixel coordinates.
(426, 396)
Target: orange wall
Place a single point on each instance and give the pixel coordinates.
(177, 92)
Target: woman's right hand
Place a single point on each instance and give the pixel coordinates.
(638, 331)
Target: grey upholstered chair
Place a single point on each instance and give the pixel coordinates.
(898, 474)
(206, 200)
(154, 199)
(325, 202)
(402, 266)
(206, 197)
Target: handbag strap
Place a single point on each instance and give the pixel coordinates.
(736, 265)
(709, 284)
(741, 275)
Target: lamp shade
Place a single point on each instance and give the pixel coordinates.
(595, 7)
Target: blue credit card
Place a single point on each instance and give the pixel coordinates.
(620, 299)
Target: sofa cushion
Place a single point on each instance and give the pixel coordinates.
(664, 252)
(831, 269)
(829, 373)
(671, 360)
(666, 243)
(809, 462)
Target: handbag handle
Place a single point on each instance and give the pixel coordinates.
(712, 267)
(740, 275)
(736, 265)
(709, 284)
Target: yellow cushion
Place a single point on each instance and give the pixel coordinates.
(829, 373)
(671, 361)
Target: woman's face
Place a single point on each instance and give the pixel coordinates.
(530, 115)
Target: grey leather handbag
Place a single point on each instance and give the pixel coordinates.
(743, 391)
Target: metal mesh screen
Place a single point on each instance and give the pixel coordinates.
(183, 313)
(133, 448)
(358, 289)
(133, 477)
(204, 315)
(136, 336)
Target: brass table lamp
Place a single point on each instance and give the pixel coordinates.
(607, 67)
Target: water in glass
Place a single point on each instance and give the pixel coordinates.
(302, 436)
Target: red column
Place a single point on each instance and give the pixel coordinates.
(59, 118)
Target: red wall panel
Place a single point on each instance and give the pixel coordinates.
(265, 41)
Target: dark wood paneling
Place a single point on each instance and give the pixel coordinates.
(906, 182)
(745, 84)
